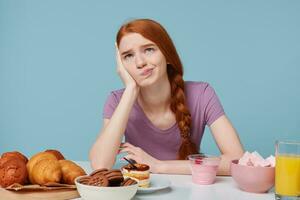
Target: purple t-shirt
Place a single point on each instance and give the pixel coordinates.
(203, 104)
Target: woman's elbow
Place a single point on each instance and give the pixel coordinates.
(97, 163)
(92, 159)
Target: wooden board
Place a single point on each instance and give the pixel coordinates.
(60, 194)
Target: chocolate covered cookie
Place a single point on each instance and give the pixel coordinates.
(128, 181)
(115, 177)
(98, 180)
(99, 171)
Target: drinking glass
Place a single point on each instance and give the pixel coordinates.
(287, 170)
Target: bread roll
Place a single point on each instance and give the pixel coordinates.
(12, 170)
(15, 154)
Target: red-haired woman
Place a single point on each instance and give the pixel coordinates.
(162, 116)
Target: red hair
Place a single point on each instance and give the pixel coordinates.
(156, 33)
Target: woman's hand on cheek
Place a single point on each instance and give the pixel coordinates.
(140, 156)
(123, 73)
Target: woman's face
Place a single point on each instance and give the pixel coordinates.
(142, 59)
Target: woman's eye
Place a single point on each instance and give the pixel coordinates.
(128, 56)
(149, 50)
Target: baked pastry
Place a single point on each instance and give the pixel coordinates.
(46, 171)
(12, 170)
(15, 154)
(70, 171)
(34, 160)
(57, 154)
(140, 174)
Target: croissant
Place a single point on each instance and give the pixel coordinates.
(70, 171)
(57, 154)
(34, 160)
(45, 171)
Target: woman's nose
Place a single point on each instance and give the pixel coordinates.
(140, 61)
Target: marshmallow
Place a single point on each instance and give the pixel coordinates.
(271, 160)
(245, 159)
(255, 159)
(258, 160)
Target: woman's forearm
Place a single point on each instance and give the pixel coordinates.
(224, 167)
(228, 142)
(106, 147)
(172, 167)
(183, 166)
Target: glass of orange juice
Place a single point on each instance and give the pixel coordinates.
(287, 170)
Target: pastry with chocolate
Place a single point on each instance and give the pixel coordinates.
(138, 172)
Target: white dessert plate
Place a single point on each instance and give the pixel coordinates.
(156, 183)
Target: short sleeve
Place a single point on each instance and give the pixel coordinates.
(110, 106)
(212, 105)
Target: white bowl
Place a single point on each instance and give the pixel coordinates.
(88, 192)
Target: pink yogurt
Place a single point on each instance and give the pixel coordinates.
(204, 168)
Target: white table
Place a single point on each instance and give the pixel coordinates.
(183, 188)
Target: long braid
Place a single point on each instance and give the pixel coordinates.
(182, 114)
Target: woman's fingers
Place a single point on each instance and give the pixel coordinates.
(132, 157)
(126, 144)
(122, 71)
(129, 150)
(118, 57)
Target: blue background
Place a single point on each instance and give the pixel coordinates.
(57, 67)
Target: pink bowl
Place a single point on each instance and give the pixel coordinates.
(252, 179)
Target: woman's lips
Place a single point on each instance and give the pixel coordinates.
(147, 72)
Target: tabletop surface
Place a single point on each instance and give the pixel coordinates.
(183, 188)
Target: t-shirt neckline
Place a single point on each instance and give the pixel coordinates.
(149, 123)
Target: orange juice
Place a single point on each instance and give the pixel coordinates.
(287, 175)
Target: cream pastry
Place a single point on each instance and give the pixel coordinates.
(141, 173)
